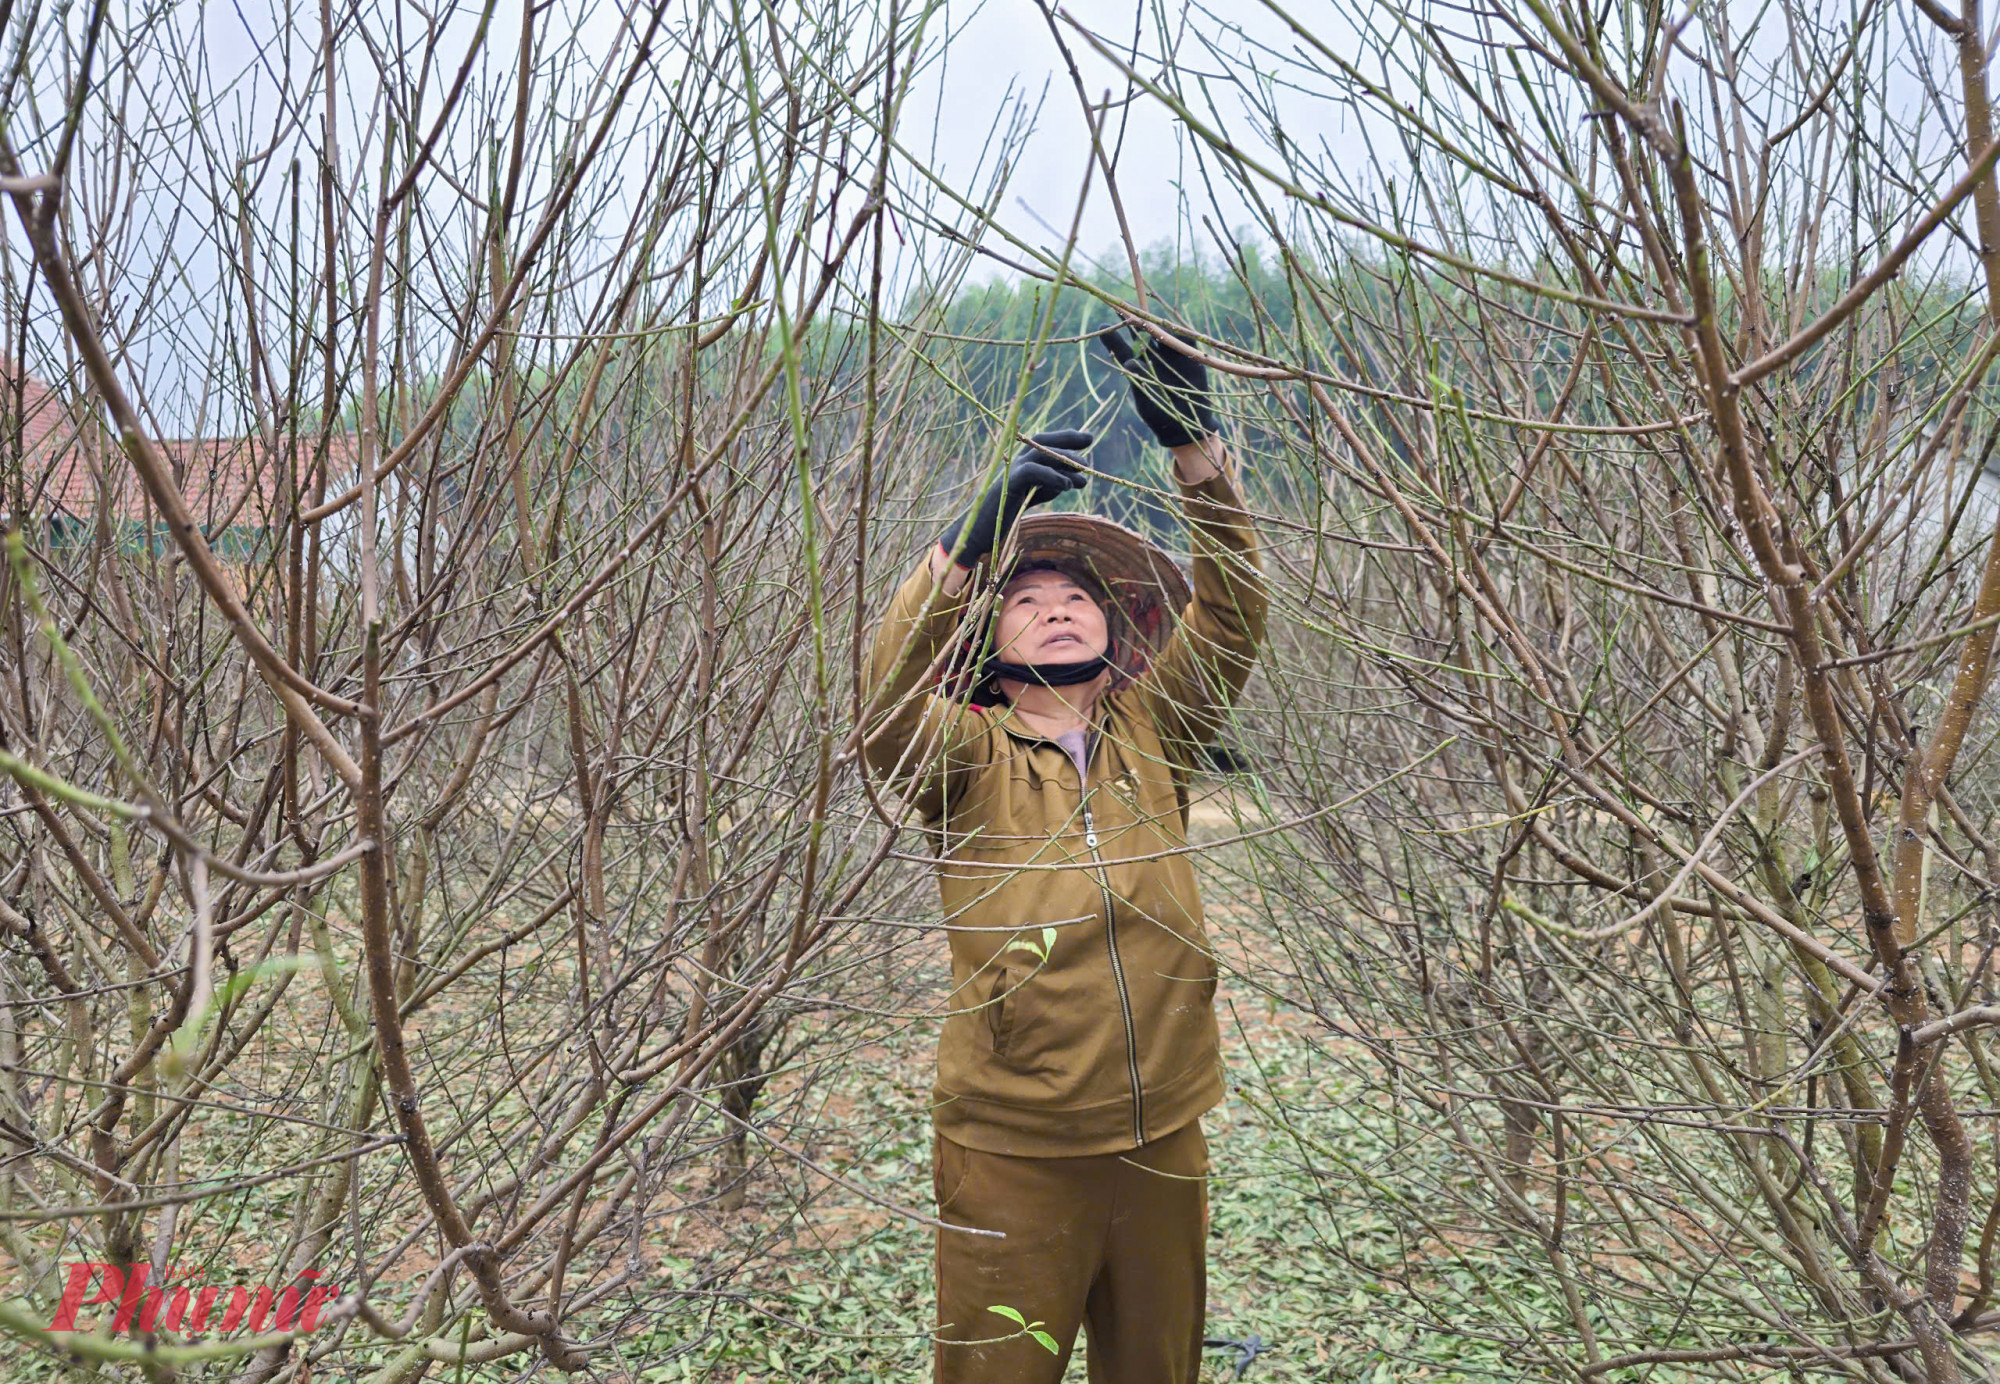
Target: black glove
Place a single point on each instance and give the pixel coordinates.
(1047, 467)
(1170, 390)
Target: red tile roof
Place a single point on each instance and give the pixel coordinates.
(72, 465)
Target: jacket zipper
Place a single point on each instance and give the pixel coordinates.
(1111, 940)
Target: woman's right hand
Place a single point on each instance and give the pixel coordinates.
(1050, 464)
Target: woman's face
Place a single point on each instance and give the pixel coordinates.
(1047, 618)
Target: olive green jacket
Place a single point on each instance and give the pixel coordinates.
(1082, 1013)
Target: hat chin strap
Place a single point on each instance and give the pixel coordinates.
(1044, 674)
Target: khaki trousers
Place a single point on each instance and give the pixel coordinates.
(1115, 1243)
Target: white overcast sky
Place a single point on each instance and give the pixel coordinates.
(988, 57)
(1003, 48)
(997, 53)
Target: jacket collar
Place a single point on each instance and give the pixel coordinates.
(1004, 717)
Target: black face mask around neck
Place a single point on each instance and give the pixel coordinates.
(1043, 674)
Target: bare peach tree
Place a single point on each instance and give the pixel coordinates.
(443, 466)
(1630, 802)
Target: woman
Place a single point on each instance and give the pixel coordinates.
(1052, 773)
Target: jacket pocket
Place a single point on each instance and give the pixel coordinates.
(1000, 1006)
